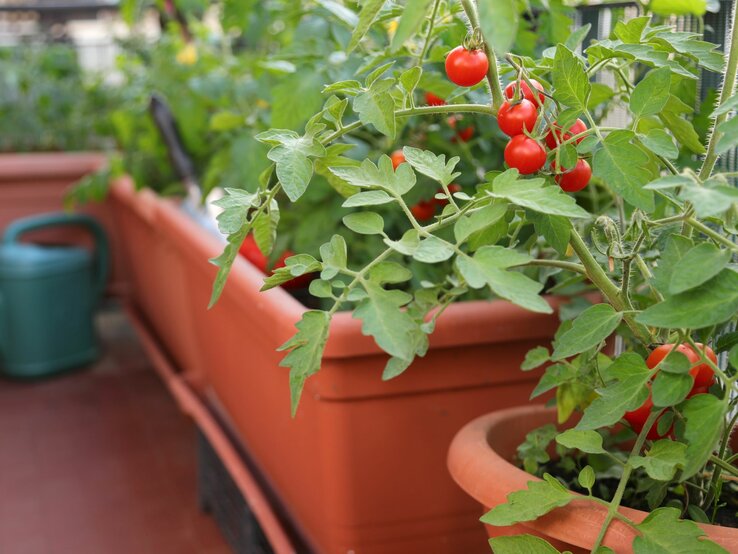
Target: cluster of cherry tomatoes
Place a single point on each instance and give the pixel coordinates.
(516, 118)
(425, 209)
(251, 252)
(703, 375)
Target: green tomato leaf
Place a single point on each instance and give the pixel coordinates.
(435, 167)
(381, 176)
(433, 250)
(626, 393)
(532, 194)
(377, 107)
(624, 167)
(662, 460)
(676, 247)
(705, 415)
(412, 18)
(587, 441)
(291, 153)
(570, 80)
(529, 504)
(535, 358)
(499, 23)
(698, 265)
(711, 303)
(589, 329)
(305, 351)
(660, 143)
(555, 229)
(586, 478)
(369, 198)
(481, 219)
(488, 267)
(365, 223)
(334, 256)
(389, 273)
(711, 199)
(556, 375)
(670, 389)
(728, 135)
(662, 531)
(651, 94)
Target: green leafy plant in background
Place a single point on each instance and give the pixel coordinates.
(47, 103)
(651, 228)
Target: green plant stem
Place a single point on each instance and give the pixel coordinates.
(611, 292)
(569, 266)
(701, 227)
(419, 110)
(722, 464)
(493, 73)
(729, 76)
(614, 504)
(357, 278)
(428, 35)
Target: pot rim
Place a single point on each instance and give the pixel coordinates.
(488, 477)
(32, 166)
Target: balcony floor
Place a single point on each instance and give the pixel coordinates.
(100, 461)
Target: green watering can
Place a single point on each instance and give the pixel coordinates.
(48, 297)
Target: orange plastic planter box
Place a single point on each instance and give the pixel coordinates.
(479, 460)
(32, 184)
(362, 468)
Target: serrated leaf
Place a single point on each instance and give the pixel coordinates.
(377, 107)
(334, 256)
(705, 416)
(368, 175)
(555, 375)
(529, 504)
(521, 544)
(728, 106)
(570, 80)
(305, 351)
(364, 223)
(340, 11)
(710, 199)
(481, 219)
(662, 531)
(711, 303)
(435, 167)
(698, 265)
(660, 143)
(488, 268)
(676, 247)
(410, 79)
(320, 288)
(369, 11)
(532, 194)
(588, 441)
(662, 460)
(651, 94)
(297, 265)
(624, 167)
(670, 389)
(728, 135)
(291, 153)
(626, 393)
(265, 229)
(589, 329)
(683, 130)
(389, 272)
(554, 228)
(535, 358)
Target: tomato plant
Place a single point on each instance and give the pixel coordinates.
(655, 238)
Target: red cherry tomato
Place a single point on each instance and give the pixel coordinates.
(424, 210)
(527, 94)
(465, 67)
(637, 419)
(464, 134)
(524, 154)
(433, 100)
(513, 118)
(452, 188)
(397, 158)
(704, 375)
(575, 129)
(576, 179)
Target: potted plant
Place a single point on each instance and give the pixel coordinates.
(626, 209)
(639, 452)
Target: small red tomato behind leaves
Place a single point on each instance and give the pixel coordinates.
(510, 91)
(424, 210)
(524, 154)
(397, 158)
(575, 179)
(637, 420)
(513, 119)
(465, 67)
(577, 127)
(251, 252)
(433, 100)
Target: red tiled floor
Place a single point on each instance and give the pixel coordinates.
(100, 461)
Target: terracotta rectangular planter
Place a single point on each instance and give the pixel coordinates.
(362, 466)
(32, 184)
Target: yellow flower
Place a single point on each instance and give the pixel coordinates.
(392, 28)
(261, 103)
(187, 55)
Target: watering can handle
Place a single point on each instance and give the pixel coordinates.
(14, 231)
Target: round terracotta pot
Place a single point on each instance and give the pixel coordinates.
(479, 462)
